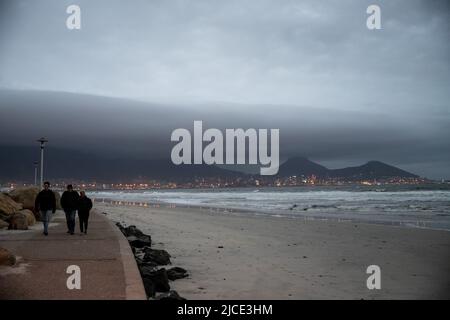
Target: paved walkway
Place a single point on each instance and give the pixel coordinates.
(108, 268)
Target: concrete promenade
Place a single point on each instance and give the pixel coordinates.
(108, 268)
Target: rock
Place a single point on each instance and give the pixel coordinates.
(171, 295)
(18, 221)
(121, 228)
(132, 231)
(176, 273)
(147, 269)
(26, 196)
(8, 206)
(6, 258)
(139, 253)
(158, 278)
(140, 241)
(141, 263)
(37, 215)
(149, 287)
(31, 220)
(135, 237)
(160, 257)
(3, 224)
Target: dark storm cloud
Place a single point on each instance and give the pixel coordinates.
(339, 92)
(126, 128)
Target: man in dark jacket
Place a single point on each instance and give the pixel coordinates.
(45, 203)
(69, 203)
(84, 206)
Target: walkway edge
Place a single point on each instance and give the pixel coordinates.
(134, 287)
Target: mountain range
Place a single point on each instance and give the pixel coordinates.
(16, 164)
(300, 166)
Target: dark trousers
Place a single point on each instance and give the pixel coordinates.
(45, 217)
(70, 219)
(84, 217)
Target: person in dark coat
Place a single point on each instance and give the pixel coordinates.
(84, 206)
(45, 203)
(69, 203)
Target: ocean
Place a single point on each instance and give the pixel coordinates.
(410, 206)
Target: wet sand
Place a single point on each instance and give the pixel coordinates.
(240, 256)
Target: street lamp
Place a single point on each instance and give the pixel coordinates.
(35, 172)
(42, 141)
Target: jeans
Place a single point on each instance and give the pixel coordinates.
(45, 217)
(84, 217)
(70, 219)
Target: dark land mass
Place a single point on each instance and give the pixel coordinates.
(17, 165)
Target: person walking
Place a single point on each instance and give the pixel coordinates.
(84, 207)
(69, 203)
(45, 204)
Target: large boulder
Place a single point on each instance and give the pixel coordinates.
(159, 257)
(37, 215)
(18, 221)
(176, 273)
(26, 196)
(6, 258)
(3, 224)
(8, 206)
(155, 280)
(140, 241)
(31, 220)
(132, 231)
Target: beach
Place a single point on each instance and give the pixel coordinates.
(230, 255)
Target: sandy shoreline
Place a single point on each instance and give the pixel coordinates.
(283, 258)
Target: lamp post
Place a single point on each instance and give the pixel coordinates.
(35, 172)
(42, 142)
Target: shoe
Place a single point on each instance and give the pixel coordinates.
(68, 231)
(46, 233)
(72, 233)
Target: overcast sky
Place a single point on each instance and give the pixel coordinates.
(302, 54)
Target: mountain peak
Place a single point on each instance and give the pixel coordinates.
(301, 166)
